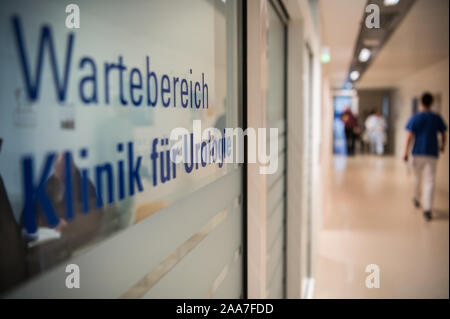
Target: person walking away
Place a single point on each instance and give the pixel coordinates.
(424, 127)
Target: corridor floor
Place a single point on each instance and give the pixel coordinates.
(368, 218)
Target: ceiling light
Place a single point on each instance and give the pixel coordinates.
(325, 56)
(354, 75)
(391, 2)
(364, 55)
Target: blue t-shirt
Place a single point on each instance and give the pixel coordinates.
(425, 126)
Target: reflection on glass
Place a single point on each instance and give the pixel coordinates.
(84, 146)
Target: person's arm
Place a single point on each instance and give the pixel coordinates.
(443, 131)
(443, 141)
(409, 139)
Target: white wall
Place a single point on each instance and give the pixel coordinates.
(434, 79)
(301, 31)
(304, 137)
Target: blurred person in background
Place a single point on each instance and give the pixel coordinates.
(424, 127)
(375, 126)
(12, 247)
(68, 235)
(351, 129)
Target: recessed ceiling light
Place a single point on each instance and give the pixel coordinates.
(325, 56)
(354, 75)
(364, 55)
(391, 2)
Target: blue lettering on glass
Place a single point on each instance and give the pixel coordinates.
(88, 78)
(145, 87)
(84, 184)
(36, 193)
(121, 68)
(45, 38)
(68, 185)
(99, 170)
(133, 171)
(134, 86)
(193, 94)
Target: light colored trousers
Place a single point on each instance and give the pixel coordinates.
(424, 168)
(376, 142)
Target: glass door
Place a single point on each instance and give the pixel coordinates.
(85, 172)
(276, 183)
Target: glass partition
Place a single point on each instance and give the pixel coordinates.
(86, 120)
(276, 183)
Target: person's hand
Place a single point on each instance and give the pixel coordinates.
(61, 225)
(406, 157)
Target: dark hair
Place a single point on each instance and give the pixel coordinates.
(427, 100)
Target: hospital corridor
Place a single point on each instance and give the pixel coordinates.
(369, 218)
(211, 152)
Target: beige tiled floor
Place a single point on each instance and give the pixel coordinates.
(368, 218)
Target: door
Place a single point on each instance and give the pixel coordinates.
(86, 146)
(276, 183)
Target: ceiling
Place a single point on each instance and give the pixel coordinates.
(340, 24)
(421, 40)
